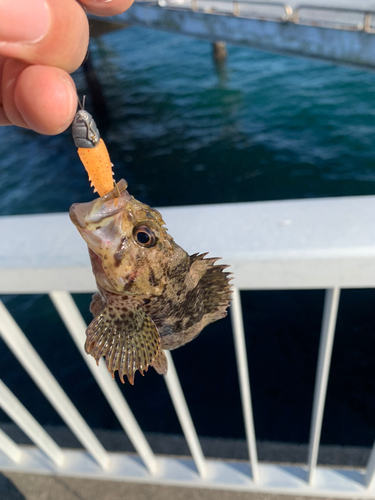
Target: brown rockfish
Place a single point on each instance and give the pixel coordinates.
(152, 294)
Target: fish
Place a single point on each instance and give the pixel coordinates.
(152, 295)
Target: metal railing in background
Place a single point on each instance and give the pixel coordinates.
(327, 16)
(324, 244)
(324, 16)
(338, 35)
(276, 11)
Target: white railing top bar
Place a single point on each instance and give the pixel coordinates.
(270, 245)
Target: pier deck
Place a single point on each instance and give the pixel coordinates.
(331, 32)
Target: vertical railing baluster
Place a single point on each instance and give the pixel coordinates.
(331, 304)
(182, 410)
(72, 318)
(367, 21)
(370, 470)
(288, 13)
(244, 380)
(19, 414)
(295, 18)
(10, 448)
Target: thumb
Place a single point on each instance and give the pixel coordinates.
(46, 32)
(24, 20)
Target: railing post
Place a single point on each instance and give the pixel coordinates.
(243, 375)
(295, 16)
(10, 448)
(236, 9)
(331, 304)
(370, 470)
(367, 22)
(288, 13)
(182, 410)
(19, 414)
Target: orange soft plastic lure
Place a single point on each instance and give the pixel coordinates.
(93, 152)
(98, 166)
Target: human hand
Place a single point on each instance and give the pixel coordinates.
(41, 42)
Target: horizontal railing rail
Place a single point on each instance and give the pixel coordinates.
(363, 25)
(290, 13)
(236, 4)
(325, 243)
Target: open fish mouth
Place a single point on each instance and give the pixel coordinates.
(82, 214)
(78, 213)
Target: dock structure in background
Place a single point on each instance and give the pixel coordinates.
(335, 34)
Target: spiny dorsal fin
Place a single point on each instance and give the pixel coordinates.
(129, 342)
(160, 363)
(214, 284)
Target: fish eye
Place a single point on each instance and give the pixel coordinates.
(144, 236)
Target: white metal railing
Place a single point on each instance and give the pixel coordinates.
(306, 14)
(18, 413)
(243, 375)
(76, 326)
(234, 7)
(331, 305)
(276, 245)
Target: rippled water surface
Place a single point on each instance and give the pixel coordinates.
(184, 131)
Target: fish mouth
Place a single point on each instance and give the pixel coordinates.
(77, 214)
(81, 214)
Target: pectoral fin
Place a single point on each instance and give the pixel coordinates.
(129, 342)
(96, 304)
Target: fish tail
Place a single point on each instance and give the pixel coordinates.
(129, 342)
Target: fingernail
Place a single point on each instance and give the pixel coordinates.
(70, 101)
(23, 20)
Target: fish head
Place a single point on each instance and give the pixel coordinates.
(129, 246)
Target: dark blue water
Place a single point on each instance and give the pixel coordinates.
(184, 131)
